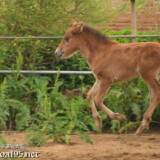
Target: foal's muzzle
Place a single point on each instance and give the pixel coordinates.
(59, 53)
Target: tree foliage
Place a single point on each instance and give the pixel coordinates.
(50, 17)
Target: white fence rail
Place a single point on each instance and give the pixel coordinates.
(60, 37)
(43, 72)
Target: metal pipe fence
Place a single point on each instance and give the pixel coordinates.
(43, 72)
(60, 37)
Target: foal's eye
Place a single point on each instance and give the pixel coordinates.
(67, 39)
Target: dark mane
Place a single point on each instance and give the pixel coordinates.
(96, 33)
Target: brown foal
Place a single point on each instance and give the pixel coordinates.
(113, 62)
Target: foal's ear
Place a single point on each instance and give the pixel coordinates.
(74, 23)
(78, 28)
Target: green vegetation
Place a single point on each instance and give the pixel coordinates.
(35, 103)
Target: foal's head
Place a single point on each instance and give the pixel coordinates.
(71, 41)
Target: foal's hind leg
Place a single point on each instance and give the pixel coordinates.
(104, 86)
(90, 97)
(154, 89)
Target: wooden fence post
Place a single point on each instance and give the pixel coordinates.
(133, 19)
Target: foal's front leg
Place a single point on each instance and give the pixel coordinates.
(104, 86)
(90, 97)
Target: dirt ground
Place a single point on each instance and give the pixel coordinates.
(105, 147)
(147, 18)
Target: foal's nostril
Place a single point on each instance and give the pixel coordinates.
(59, 52)
(62, 50)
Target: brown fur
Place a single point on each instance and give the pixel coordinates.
(113, 62)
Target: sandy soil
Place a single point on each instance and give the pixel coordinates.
(105, 147)
(145, 22)
(147, 18)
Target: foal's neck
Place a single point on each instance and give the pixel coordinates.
(91, 46)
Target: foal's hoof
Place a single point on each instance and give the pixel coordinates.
(99, 126)
(141, 129)
(98, 122)
(138, 133)
(120, 117)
